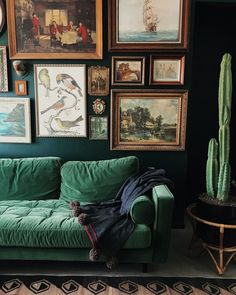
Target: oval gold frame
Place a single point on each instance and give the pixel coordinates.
(2, 15)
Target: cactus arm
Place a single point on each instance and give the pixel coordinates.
(212, 168)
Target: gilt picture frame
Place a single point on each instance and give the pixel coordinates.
(148, 25)
(55, 30)
(15, 122)
(98, 80)
(2, 15)
(3, 69)
(167, 69)
(148, 120)
(21, 87)
(128, 70)
(60, 93)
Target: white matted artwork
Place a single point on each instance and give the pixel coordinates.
(15, 120)
(60, 91)
(168, 69)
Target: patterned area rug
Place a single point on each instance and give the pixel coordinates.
(60, 285)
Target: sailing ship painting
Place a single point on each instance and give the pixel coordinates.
(149, 21)
(150, 18)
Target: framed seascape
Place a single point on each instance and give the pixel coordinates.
(3, 69)
(15, 120)
(60, 93)
(148, 24)
(167, 69)
(148, 120)
(98, 127)
(128, 70)
(59, 29)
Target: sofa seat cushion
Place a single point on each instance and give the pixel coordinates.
(49, 223)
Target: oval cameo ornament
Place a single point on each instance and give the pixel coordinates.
(99, 106)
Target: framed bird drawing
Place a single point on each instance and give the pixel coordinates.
(60, 93)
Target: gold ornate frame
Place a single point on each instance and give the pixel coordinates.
(14, 54)
(128, 107)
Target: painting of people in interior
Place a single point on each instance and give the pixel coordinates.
(62, 29)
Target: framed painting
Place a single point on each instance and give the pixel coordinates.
(3, 69)
(15, 120)
(21, 87)
(98, 80)
(128, 70)
(60, 94)
(2, 15)
(59, 29)
(148, 120)
(98, 127)
(167, 70)
(148, 24)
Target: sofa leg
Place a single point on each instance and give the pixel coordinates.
(145, 267)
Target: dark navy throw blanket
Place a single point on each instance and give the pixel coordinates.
(108, 224)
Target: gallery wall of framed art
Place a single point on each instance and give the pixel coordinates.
(87, 79)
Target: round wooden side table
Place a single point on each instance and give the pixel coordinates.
(220, 255)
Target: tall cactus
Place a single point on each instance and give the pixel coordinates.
(219, 185)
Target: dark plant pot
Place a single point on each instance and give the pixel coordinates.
(217, 212)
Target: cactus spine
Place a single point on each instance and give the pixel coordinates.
(218, 183)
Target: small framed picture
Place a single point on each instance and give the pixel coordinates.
(98, 80)
(15, 120)
(167, 69)
(128, 70)
(21, 87)
(98, 127)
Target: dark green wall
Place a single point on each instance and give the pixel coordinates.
(214, 28)
(185, 168)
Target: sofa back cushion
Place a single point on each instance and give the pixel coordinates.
(30, 178)
(95, 181)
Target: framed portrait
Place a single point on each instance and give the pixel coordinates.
(167, 70)
(15, 120)
(3, 69)
(128, 70)
(98, 80)
(148, 24)
(2, 15)
(55, 29)
(98, 127)
(60, 92)
(21, 87)
(148, 120)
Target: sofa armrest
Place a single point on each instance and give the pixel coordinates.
(163, 200)
(142, 210)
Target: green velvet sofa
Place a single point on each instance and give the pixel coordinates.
(36, 222)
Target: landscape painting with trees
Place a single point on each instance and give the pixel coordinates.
(150, 120)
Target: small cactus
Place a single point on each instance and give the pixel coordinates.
(218, 182)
